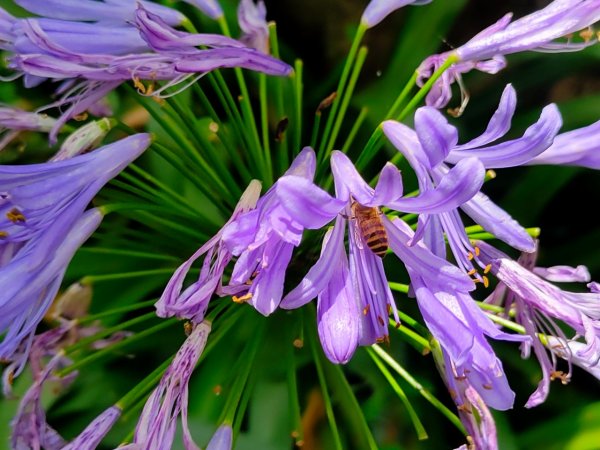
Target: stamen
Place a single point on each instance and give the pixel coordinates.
(326, 102)
(559, 374)
(587, 35)
(472, 272)
(487, 386)
(366, 309)
(487, 269)
(15, 216)
(486, 282)
(298, 343)
(242, 299)
(477, 251)
(380, 320)
(188, 327)
(470, 256)
(3, 234)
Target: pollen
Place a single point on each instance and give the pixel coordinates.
(3, 234)
(487, 386)
(560, 375)
(587, 35)
(380, 320)
(486, 282)
(487, 269)
(139, 85)
(298, 343)
(472, 272)
(366, 309)
(470, 256)
(15, 216)
(477, 251)
(242, 299)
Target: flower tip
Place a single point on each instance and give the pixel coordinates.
(490, 174)
(534, 232)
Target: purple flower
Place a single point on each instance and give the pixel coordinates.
(536, 31)
(83, 139)
(119, 51)
(222, 439)
(377, 10)
(358, 287)
(253, 23)
(434, 143)
(538, 304)
(119, 11)
(193, 301)
(14, 120)
(579, 147)
(158, 421)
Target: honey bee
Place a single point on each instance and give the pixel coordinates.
(370, 227)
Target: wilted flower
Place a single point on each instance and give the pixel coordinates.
(538, 304)
(377, 10)
(91, 436)
(83, 139)
(158, 421)
(536, 31)
(433, 144)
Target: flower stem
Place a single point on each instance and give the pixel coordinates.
(111, 312)
(91, 279)
(354, 131)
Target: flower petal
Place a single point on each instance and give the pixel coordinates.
(436, 135)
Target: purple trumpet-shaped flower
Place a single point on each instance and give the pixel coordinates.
(14, 120)
(192, 303)
(31, 279)
(110, 11)
(433, 144)
(359, 286)
(263, 240)
(579, 147)
(149, 49)
(222, 439)
(536, 31)
(158, 421)
(253, 23)
(538, 303)
(377, 10)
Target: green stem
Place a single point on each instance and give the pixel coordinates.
(354, 131)
(111, 312)
(91, 279)
(420, 389)
(414, 417)
(124, 252)
(298, 90)
(264, 119)
(105, 352)
(360, 32)
(142, 388)
(402, 97)
(315, 130)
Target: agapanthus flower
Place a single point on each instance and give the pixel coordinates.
(377, 10)
(262, 235)
(359, 285)
(42, 226)
(31, 280)
(580, 147)
(538, 303)
(434, 144)
(146, 48)
(158, 421)
(252, 18)
(83, 139)
(536, 31)
(14, 120)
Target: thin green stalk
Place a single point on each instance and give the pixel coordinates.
(393, 111)
(292, 384)
(416, 385)
(112, 312)
(315, 130)
(91, 279)
(414, 417)
(84, 342)
(416, 340)
(125, 252)
(354, 131)
(507, 323)
(112, 349)
(264, 120)
(360, 32)
(345, 101)
(325, 392)
(298, 91)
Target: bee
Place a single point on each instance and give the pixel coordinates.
(370, 227)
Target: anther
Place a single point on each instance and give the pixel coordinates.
(487, 386)
(487, 269)
(3, 234)
(366, 309)
(15, 216)
(486, 282)
(587, 34)
(242, 299)
(470, 256)
(380, 320)
(477, 251)
(472, 272)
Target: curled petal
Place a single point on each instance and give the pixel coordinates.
(564, 274)
(304, 165)
(306, 203)
(377, 10)
(389, 186)
(348, 181)
(537, 138)
(500, 122)
(457, 187)
(497, 221)
(436, 135)
(406, 142)
(324, 269)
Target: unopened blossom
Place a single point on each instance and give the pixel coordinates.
(345, 286)
(538, 304)
(211, 8)
(252, 18)
(434, 144)
(536, 31)
(580, 147)
(222, 439)
(377, 10)
(158, 422)
(83, 139)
